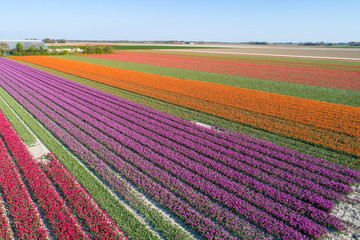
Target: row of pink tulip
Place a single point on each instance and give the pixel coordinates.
(100, 225)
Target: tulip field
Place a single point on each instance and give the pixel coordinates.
(157, 145)
(321, 74)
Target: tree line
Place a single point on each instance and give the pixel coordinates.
(48, 40)
(96, 49)
(20, 51)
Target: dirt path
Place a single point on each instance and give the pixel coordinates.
(350, 214)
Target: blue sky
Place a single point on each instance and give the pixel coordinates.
(210, 20)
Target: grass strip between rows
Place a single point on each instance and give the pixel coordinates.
(122, 217)
(193, 115)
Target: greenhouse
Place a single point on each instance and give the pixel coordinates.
(27, 44)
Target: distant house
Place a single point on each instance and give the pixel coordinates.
(27, 44)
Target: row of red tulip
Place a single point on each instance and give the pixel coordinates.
(97, 221)
(63, 223)
(20, 206)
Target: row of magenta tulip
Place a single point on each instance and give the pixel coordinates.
(249, 197)
(56, 211)
(98, 223)
(312, 212)
(21, 208)
(196, 220)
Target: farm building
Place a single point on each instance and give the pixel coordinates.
(27, 44)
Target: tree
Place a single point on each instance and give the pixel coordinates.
(4, 48)
(20, 47)
(31, 49)
(53, 51)
(98, 50)
(14, 52)
(108, 49)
